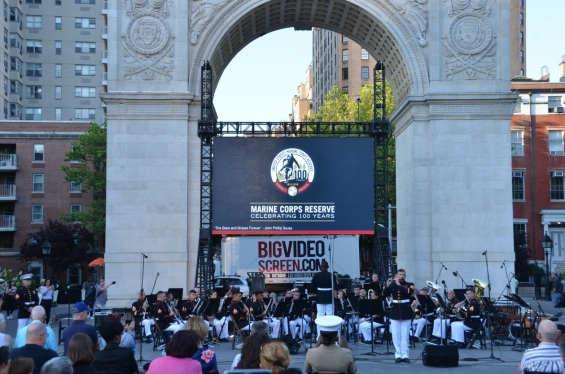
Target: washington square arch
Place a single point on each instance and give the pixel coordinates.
(448, 65)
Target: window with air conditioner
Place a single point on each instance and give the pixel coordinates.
(555, 140)
(37, 213)
(557, 190)
(518, 189)
(553, 102)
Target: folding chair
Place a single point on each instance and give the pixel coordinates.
(236, 331)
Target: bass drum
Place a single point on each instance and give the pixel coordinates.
(514, 330)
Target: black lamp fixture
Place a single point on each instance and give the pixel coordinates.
(46, 248)
(547, 244)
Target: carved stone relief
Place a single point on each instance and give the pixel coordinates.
(201, 13)
(148, 44)
(469, 46)
(414, 11)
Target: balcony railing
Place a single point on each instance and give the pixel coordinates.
(7, 223)
(104, 79)
(8, 161)
(105, 56)
(104, 32)
(7, 192)
(104, 6)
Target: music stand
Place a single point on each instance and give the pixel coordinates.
(374, 307)
(460, 293)
(442, 318)
(429, 307)
(177, 293)
(280, 313)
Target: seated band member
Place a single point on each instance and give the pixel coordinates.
(239, 311)
(188, 306)
(294, 319)
(362, 294)
(162, 313)
(365, 322)
(427, 317)
(439, 330)
(259, 311)
(342, 307)
(220, 321)
(471, 322)
(142, 315)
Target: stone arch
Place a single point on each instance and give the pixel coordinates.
(244, 21)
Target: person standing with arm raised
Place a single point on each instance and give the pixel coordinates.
(102, 294)
(401, 313)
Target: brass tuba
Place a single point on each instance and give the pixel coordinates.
(479, 287)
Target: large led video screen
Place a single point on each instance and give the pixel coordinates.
(293, 186)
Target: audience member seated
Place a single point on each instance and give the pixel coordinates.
(81, 353)
(249, 356)
(180, 350)
(275, 356)
(4, 360)
(37, 316)
(21, 365)
(34, 348)
(205, 356)
(327, 357)
(114, 359)
(5, 339)
(58, 365)
(80, 316)
(545, 358)
(128, 337)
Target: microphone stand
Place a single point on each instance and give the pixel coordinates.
(508, 280)
(141, 359)
(456, 273)
(440, 270)
(488, 313)
(154, 283)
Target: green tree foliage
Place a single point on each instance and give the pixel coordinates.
(90, 151)
(71, 245)
(339, 107)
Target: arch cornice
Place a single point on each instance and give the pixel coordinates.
(383, 12)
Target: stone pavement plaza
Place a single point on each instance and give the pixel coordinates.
(366, 363)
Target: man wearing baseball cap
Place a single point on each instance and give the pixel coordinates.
(80, 316)
(27, 298)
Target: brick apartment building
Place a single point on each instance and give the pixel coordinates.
(33, 188)
(538, 167)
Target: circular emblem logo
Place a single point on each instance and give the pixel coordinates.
(292, 171)
(470, 34)
(148, 34)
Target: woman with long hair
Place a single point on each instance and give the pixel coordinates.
(205, 356)
(251, 350)
(10, 298)
(46, 291)
(180, 349)
(81, 352)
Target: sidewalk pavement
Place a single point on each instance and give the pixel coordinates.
(470, 360)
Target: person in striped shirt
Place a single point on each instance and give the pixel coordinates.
(545, 358)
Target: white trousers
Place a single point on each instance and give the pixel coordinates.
(458, 329)
(221, 326)
(275, 324)
(147, 323)
(325, 310)
(439, 330)
(400, 331)
(418, 325)
(175, 326)
(23, 322)
(304, 325)
(365, 329)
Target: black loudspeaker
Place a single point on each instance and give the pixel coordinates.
(291, 344)
(440, 355)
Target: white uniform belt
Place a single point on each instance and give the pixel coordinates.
(475, 317)
(324, 289)
(429, 314)
(401, 301)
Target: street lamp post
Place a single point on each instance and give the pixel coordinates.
(547, 244)
(46, 250)
(358, 109)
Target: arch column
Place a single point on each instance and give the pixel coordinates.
(454, 188)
